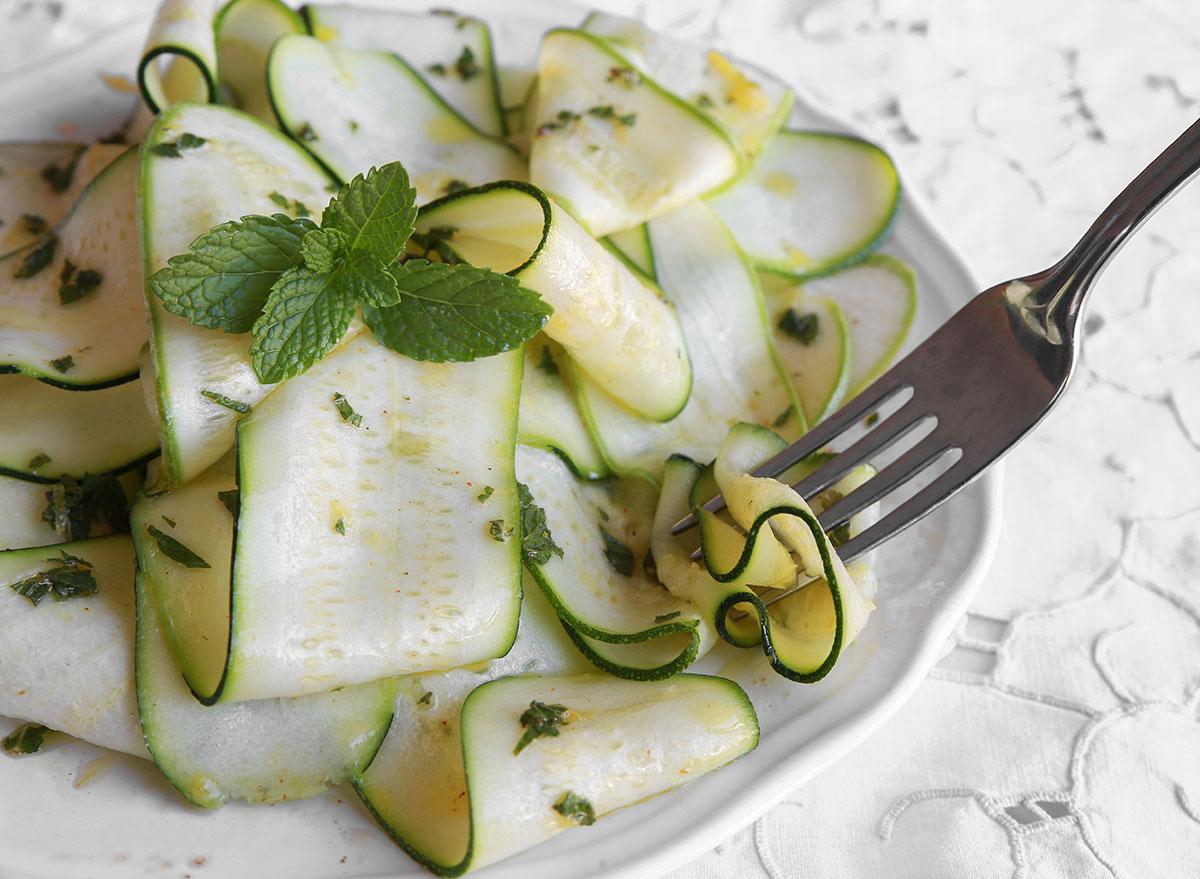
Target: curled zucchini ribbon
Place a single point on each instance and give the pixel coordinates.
(803, 634)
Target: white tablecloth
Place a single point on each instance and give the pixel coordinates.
(1059, 735)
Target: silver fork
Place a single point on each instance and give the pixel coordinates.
(984, 379)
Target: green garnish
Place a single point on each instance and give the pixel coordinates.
(297, 300)
(547, 364)
(540, 719)
(301, 209)
(801, 327)
(346, 411)
(575, 809)
(175, 550)
(39, 257)
(62, 364)
(228, 402)
(426, 698)
(33, 224)
(783, 416)
(537, 543)
(705, 102)
(305, 133)
(454, 186)
(840, 534)
(169, 521)
(485, 494)
(25, 739)
(76, 505)
(70, 577)
(606, 111)
(465, 65)
(185, 141)
(871, 419)
(340, 527)
(280, 199)
(41, 459)
(59, 176)
(437, 69)
(499, 531)
(352, 125)
(663, 617)
(75, 286)
(620, 556)
(627, 76)
(561, 120)
(232, 499)
(431, 244)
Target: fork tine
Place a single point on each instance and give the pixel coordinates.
(885, 481)
(866, 402)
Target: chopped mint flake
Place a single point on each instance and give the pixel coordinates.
(175, 550)
(346, 411)
(540, 719)
(41, 459)
(228, 402)
(575, 809)
(485, 494)
(804, 328)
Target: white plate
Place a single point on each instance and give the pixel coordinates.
(77, 811)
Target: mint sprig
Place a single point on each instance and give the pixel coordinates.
(296, 286)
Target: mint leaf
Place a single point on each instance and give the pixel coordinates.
(620, 556)
(575, 808)
(224, 282)
(70, 577)
(25, 739)
(321, 248)
(75, 506)
(456, 312)
(540, 719)
(174, 550)
(304, 317)
(364, 278)
(376, 211)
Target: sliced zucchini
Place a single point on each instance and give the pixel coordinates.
(245, 31)
(878, 298)
(79, 321)
(613, 325)
(179, 62)
(548, 417)
(615, 153)
(812, 203)
(600, 586)
(737, 372)
(69, 664)
(53, 432)
(241, 163)
(749, 104)
(265, 751)
(453, 52)
(355, 109)
(812, 337)
(622, 742)
(633, 244)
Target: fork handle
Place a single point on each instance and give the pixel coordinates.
(1145, 194)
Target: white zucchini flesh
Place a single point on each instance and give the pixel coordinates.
(750, 104)
(613, 324)
(633, 244)
(179, 61)
(549, 417)
(432, 43)
(812, 203)
(245, 31)
(69, 433)
(233, 174)
(819, 369)
(103, 331)
(24, 191)
(878, 298)
(355, 109)
(69, 664)
(594, 599)
(607, 173)
(266, 751)
(737, 375)
(417, 581)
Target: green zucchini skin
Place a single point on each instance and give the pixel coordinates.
(183, 32)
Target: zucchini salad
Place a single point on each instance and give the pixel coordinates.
(361, 377)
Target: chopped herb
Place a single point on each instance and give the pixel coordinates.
(783, 417)
(465, 65)
(628, 119)
(840, 534)
(168, 150)
(602, 112)
(280, 199)
(228, 402)
(76, 505)
(801, 327)
(70, 577)
(705, 102)
(485, 494)
(33, 224)
(426, 699)
(41, 459)
(25, 739)
(431, 245)
(540, 719)
(175, 550)
(562, 120)
(593, 147)
(340, 527)
(352, 125)
(620, 556)
(603, 513)
(627, 76)
(189, 141)
(186, 141)
(305, 133)
(76, 286)
(455, 185)
(575, 808)
(169, 521)
(232, 499)
(301, 209)
(537, 543)
(59, 176)
(346, 411)
(62, 364)
(871, 419)
(663, 617)
(499, 531)
(547, 364)
(437, 69)
(39, 257)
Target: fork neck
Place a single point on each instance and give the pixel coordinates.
(1050, 301)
